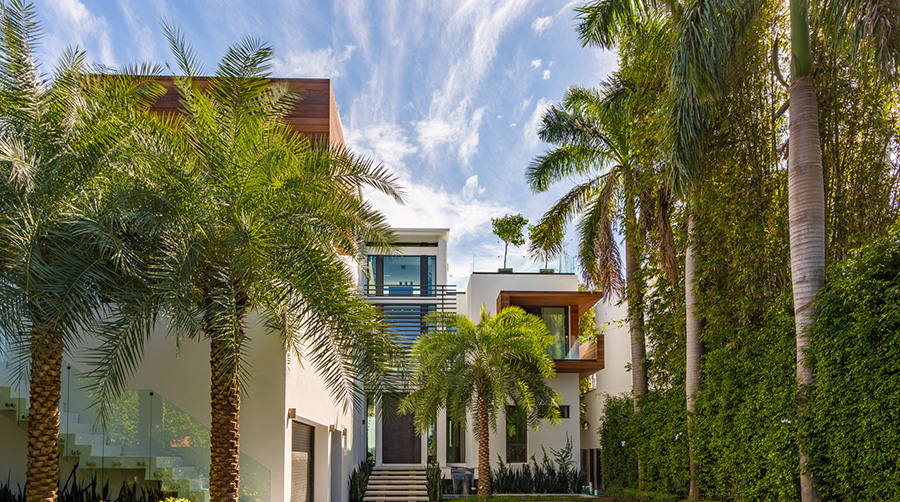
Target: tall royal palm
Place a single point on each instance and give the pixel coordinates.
(58, 248)
(467, 368)
(705, 35)
(872, 30)
(593, 134)
(255, 219)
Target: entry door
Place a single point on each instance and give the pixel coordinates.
(401, 444)
(302, 464)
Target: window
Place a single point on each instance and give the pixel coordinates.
(516, 436)
(557, 321)
(563, 411)
(401, 275)
(456, 449)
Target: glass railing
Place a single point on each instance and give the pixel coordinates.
(146, 431)
(408, 290)
(519, 263)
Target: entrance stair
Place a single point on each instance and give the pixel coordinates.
(396, 484)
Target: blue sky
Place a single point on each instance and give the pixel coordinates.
(448, 95)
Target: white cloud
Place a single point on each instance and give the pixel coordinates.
(541, 24)
(531, 128)
(513, 124)
(536, 63)
(458, 127)
(473, 30)
(546, 74)
(321, 63)
(77, 26)
(464, 211)
(384, 142)
(142, 34)
(471, 188)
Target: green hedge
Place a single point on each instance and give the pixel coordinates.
(855, 419)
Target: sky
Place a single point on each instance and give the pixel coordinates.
(447, 94)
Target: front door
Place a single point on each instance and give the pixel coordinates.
(401, 444)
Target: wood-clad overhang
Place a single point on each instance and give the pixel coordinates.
(578, 302)
(315, 115)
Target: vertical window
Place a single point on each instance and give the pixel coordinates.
(456, 453)
(516, 436)
(370, 426)
(431, 438)
(557, 321)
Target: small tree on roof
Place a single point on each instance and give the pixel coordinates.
(509, 230)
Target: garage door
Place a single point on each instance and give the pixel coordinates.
(301, 462)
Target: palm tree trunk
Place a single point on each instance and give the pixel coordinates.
(42, 470)
(484, 454)
(694, 349)
(225, 404)
(634, 288)
(806, 209)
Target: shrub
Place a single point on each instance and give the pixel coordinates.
(556, 476)
(434, 481)
(359, 479)
(855, 408)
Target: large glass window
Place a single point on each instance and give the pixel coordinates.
(516, 436)
(401, 275)
(456, 449)
(557, 321)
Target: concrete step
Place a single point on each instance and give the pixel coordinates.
(396, 478)
(411, 491)
(399, 498)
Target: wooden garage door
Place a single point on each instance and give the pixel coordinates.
(302, 462)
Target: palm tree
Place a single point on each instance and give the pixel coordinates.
(705, 36)
(254, 218)
(466, 368)
(59, 250)
(593, 132)
(871, 30)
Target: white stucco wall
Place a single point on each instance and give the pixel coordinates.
(615, 378)
(483, 289)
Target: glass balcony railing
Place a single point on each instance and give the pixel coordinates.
(522, 264)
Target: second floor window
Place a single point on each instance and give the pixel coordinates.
(401, 275)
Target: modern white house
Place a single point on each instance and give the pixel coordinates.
(413, 281)
(299, 443)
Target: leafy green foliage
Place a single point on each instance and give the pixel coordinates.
(434, 482)
(545, 243)
(548, 476)
(503, 356)
(856, 399)
(359, 479)
(509, 228)
(91, 491)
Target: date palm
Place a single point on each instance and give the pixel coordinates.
(59, 248)
(251, 218)
(468, 368)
